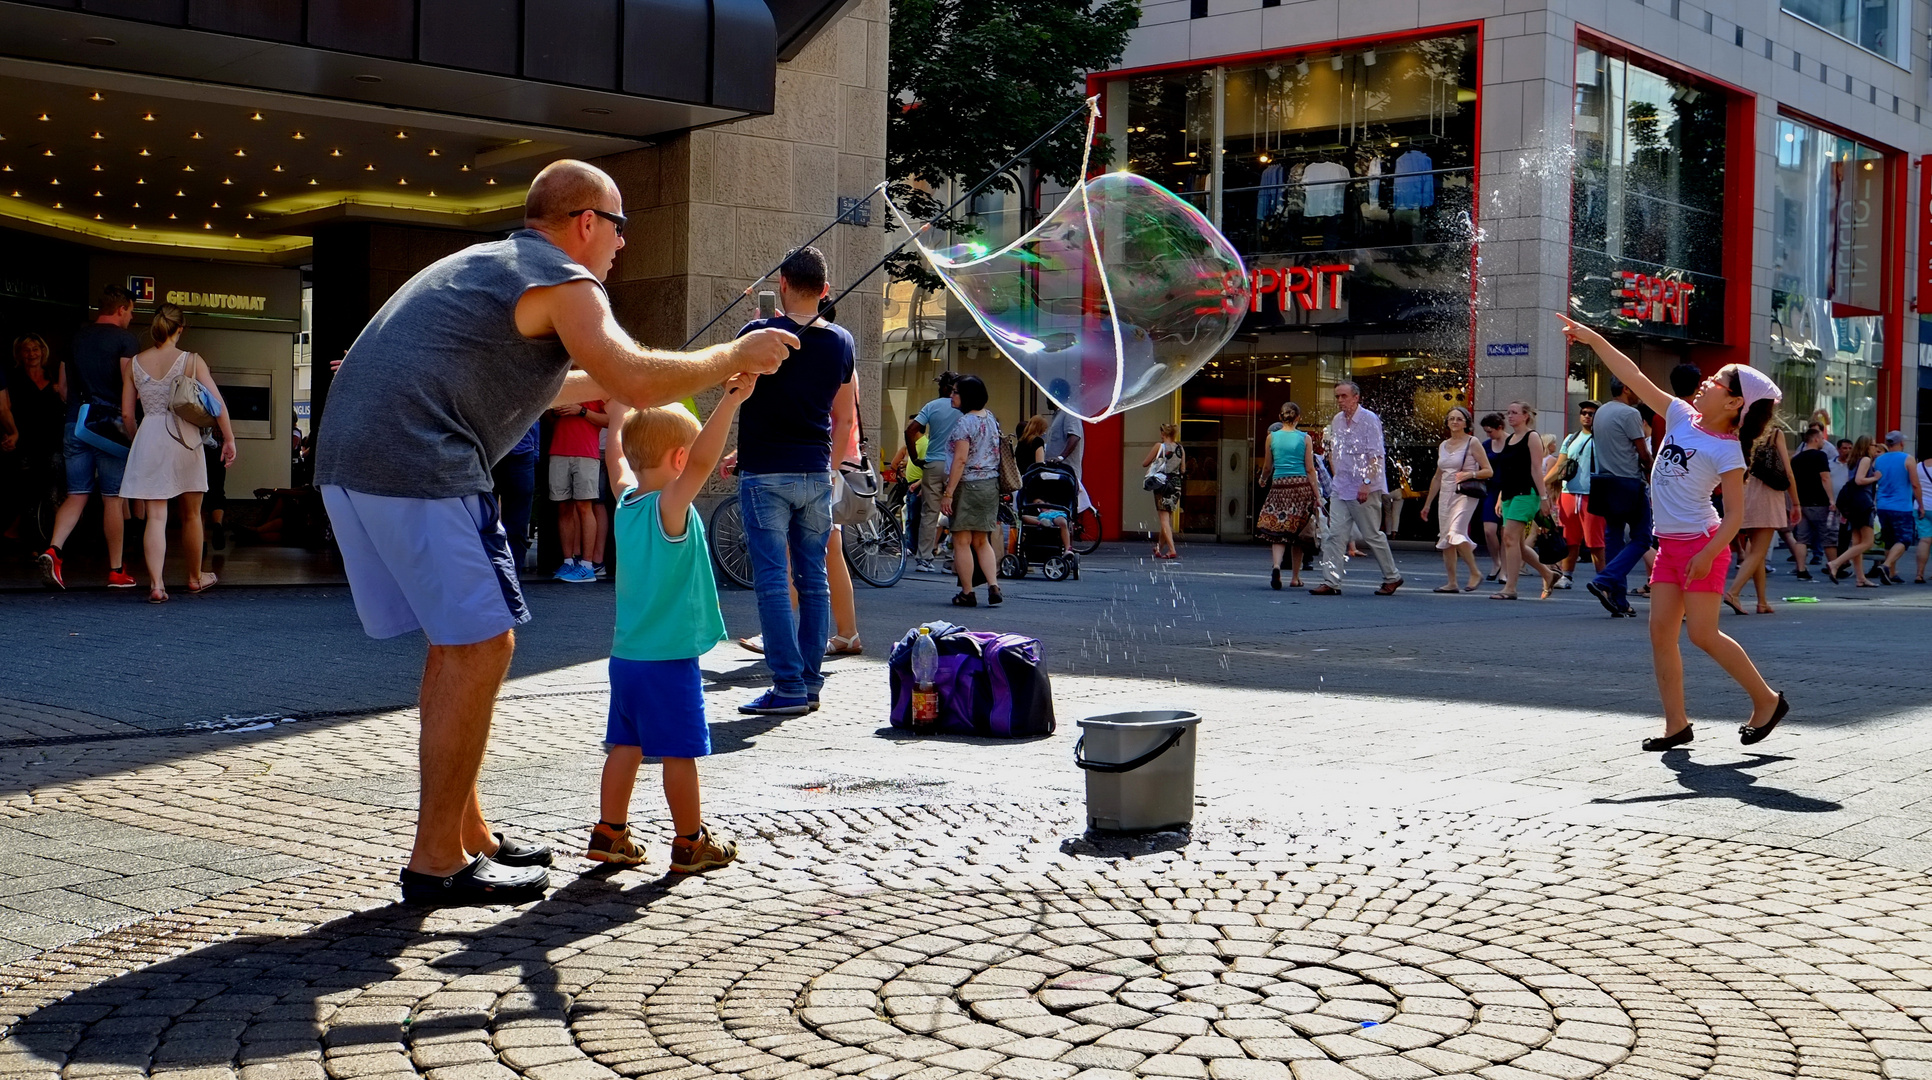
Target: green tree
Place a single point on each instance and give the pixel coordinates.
(974, 81)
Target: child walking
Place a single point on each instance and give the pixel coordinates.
(1701, 451)
(667, 617)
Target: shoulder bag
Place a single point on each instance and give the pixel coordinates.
(1471, 488)
(1767, 468)
(855, 488)
(1009, 466)
(190, 402)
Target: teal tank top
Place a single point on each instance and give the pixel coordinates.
(667, 600)
(1290, 450)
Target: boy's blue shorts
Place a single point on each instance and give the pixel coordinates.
(658, 706)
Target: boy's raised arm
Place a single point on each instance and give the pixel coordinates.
(704, 454)
(622, 479)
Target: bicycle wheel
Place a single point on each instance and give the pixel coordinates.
(876, 551)
(1086, 531)
(728, 548)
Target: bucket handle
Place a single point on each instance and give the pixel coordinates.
(1173, 737)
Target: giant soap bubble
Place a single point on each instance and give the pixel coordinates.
(1113, 301)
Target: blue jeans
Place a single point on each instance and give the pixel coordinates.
(1621, 553)
(788, 518)
(516, 491)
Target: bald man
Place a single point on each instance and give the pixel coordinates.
(439, 386)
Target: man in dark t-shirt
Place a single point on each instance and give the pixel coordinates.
(94, 379)
(786, 431)
(1811, 472)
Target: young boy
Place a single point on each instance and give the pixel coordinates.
(667, 617)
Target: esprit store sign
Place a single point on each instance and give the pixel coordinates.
(1648, 298)
(1313, 287)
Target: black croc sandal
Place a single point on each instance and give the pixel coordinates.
(519, 852)
(965, 599)
(483, 881)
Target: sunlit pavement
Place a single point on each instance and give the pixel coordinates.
(1426, 845)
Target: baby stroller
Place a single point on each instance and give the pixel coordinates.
(1043, 507)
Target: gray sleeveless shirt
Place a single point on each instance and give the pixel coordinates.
(440, 386)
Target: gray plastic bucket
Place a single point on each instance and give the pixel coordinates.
(1140, 769)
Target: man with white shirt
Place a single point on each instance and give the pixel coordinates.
(1357, 457)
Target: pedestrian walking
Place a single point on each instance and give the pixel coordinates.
(574, 487)
(785, 438)
(934, 422)
(1857, 503)
(1702, 449)
(1576, 464)
(36, 398)
(1811, 479)
(514, 479)
(1357, 456)
(440, 385)
(1618, 495)
(1029, 445)
(1166, 469)
(1521, 496)
(1454, 492)
(93, 378)
(1900, 496)
(1066, 440)
(165, 460)
(971, 496)
(1289, 515)
(1770, 505)
(1493, 443)
(667, 617)
(1924, 522)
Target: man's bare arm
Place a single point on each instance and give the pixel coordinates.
(578, 314)
(578, 388)
(845, 416)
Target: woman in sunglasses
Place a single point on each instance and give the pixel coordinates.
(1702, 450)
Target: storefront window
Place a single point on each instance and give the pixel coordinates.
(1876, 25)
(1827, 280)
(1647, 202)
(1169, 132)
(1362, 148)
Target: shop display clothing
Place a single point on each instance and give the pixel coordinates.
(1325, 183)
(1415, 183)
(1268, 199)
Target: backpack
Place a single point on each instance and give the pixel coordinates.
(990, 684)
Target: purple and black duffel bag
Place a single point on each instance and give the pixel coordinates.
(991, 685)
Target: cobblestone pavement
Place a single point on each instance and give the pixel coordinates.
(1391, 875)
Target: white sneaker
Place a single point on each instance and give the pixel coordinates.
(1562, 580)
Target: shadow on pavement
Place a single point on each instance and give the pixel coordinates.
(268, 988)
(1728, 781)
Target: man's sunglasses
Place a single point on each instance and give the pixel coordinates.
(617, 220)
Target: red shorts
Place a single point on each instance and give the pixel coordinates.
(1580, 526)
(1674, 555)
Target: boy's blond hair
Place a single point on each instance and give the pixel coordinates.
(650, 434)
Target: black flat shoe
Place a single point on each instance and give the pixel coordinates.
(1669, 742)
(1603, 597)
(994, 598)
(965, 599)
(1751, 736)
(1274, 578)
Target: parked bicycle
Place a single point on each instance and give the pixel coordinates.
(875, 549)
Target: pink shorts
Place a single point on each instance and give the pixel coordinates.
(1674, 555)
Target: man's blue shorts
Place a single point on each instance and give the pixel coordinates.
(1901, 526)
(658, 706)
(439, 565)
(84, 464)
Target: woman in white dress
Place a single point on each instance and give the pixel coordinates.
(165, 460)
(1460, 457)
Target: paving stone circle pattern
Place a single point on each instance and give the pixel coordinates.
(931, 943)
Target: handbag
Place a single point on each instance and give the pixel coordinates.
(1009, 466)
(191, 401)
(855, 488)
(1471, 488)
(101, 428)
(1768, 469)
